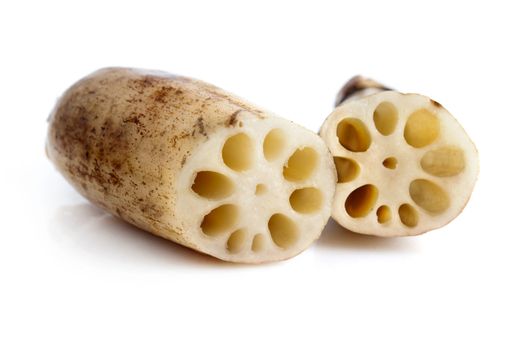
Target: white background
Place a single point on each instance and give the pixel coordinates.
(73, 277)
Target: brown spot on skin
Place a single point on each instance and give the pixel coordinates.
(176, 138)
(233, 101)
(436, 103)
(233, 118)
(116, 164)
(161, 95)
(200, 125)
(134, 100)
(183, 161)
(135, 119)
(151, 210)
(113, 179)
(147, 81)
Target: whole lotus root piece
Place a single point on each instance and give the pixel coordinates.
(405, 165)
(194, 164)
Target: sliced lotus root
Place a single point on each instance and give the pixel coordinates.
(257, 192)
(192, 163)
(404, 164)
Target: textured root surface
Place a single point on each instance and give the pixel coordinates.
(192, 163)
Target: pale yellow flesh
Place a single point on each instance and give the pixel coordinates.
(405, 165)
(259, 191)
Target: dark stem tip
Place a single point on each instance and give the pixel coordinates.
(356, 84)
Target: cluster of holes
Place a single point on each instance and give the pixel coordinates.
(238, 154)
(354, 136)
(422, 128)
(425, 193)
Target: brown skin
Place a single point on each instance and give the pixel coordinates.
(355, 85)
(121, 136)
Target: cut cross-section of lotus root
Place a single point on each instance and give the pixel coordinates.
(194, 164)
(405, 165)
(258, 192)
